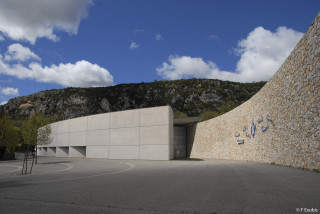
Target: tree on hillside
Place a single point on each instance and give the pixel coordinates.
(9, 135)
(179, 114)
(36, 131)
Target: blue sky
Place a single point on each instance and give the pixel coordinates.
(47, 44)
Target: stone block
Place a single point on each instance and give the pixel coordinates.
(124, 136)
(124, 152)
(98, 122)
(123, 119)
(98, 137)
(97, 152)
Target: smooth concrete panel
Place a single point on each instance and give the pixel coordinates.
(78, 124)
(154, 135)
(171, 138)
(99, 121)
(124, 136)
(63, 126)
(78, 139)
(154, 116)
(97, 152)
(51, 151)
(53, 142)
(124, 152)
(62, 139)
(98, 137)
(62, 152)
(77, 151)
(124, 119)
(54, 128)
(154, 152)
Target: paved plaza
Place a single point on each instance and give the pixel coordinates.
(79, 185)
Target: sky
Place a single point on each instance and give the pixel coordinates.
(47, 44)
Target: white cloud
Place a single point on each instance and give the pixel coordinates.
(261, 55)
(138, 31)
(4, 102)
(1, 38)
(159, 37)
(80, 74)
(10, 91)
(19, 53)
(263, 52)
(134, 45)
(32, 19)
(214, 37)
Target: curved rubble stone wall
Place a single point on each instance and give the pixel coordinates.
(291, 99)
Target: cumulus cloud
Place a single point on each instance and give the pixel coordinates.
(261, 55)
(80, 74)
(134, 45)
(20, 53)
(159, 37)
(4, 102)
(32, 19)
(10, 91)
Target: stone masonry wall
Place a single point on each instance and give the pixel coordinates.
(292, 101)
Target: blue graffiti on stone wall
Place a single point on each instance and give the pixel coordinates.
(264, 127)
(253, 129)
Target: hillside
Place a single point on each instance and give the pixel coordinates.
(192, 97)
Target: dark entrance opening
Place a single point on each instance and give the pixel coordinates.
(183, 132)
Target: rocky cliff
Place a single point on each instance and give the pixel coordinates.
(193, 97)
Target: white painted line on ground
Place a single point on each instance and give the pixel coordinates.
(131, 166)
(19, 168)
(70, 166)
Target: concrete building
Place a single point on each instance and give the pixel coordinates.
(134, 134)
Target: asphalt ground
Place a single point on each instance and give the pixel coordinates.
(79, 185)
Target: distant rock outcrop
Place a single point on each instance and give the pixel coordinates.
(193, 97)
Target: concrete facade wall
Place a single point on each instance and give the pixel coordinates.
(291, 99)
(133, 134)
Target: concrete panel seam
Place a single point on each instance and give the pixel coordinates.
(139, 135)
(157, 125)
(109, 136)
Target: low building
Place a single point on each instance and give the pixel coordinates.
(146, 134)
